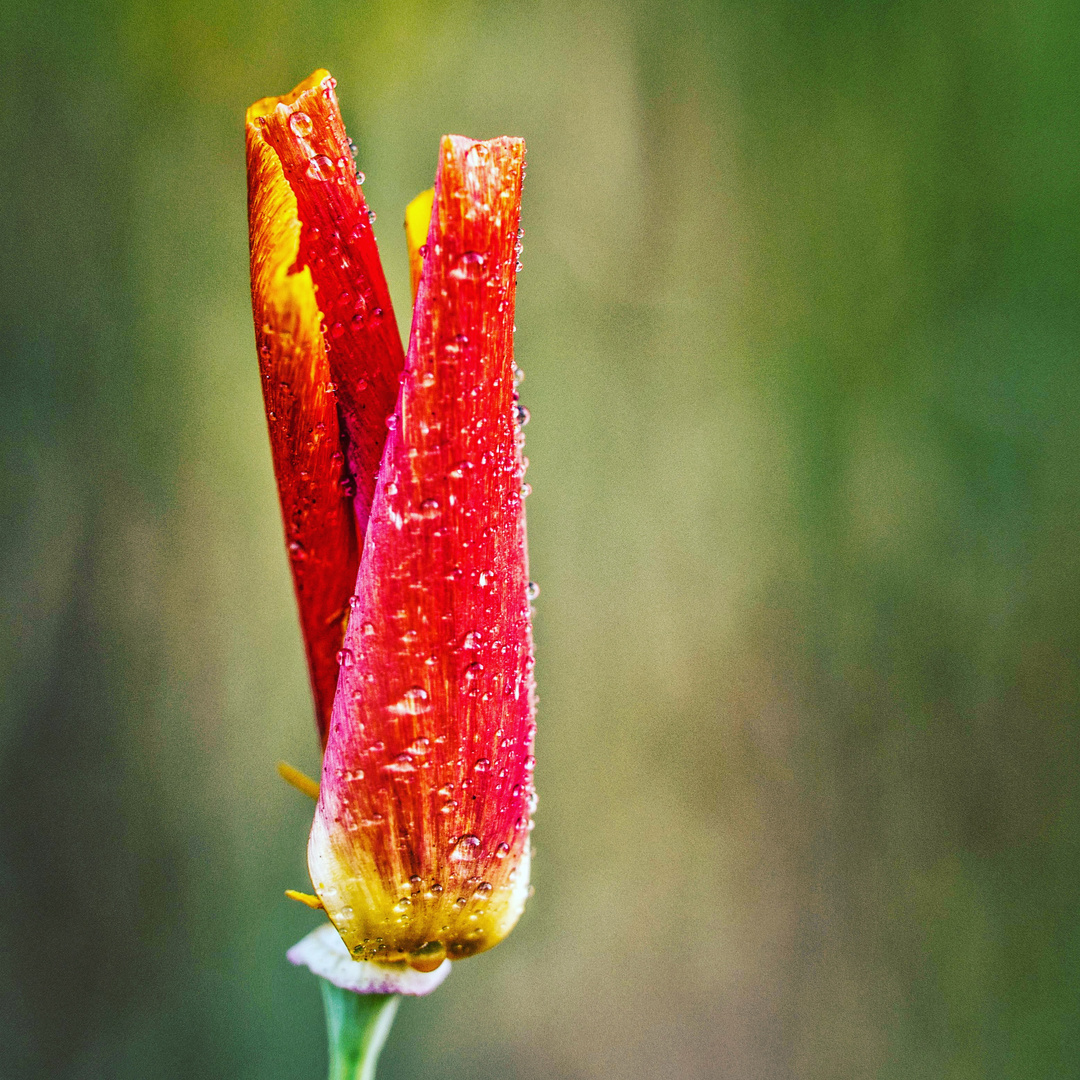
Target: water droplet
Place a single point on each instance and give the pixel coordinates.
(482, 765)
(300, 124)
(521, 414)
(403, 763)
(474, 671)
(423, 251)
(428, 958)
(345, 657)
(472, 640)
(429, 508)
(368, 629)
(360, 177)
(532, 590)
(468, 847)
(502, 851)
(391, 421)
(354, 605)
(371, 216)
(336, 331)
(412, 703)
(530, 763)
(448, 807)
(320, 167)
(469, 267)
(484, 888)
(402, 905)
(478, 155)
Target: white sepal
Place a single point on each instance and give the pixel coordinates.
(324, 953)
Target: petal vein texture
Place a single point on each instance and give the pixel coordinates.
(329, 352)
(420, 844)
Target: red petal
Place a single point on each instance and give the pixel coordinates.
(421, 832)
(338, 245)
(330, 366)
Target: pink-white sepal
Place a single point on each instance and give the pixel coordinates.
(324, 953)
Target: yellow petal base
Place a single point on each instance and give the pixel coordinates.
(414, 920)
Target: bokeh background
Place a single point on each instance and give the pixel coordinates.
(800, 318)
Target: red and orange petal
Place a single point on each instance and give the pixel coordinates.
(329, 351)
(420, 845)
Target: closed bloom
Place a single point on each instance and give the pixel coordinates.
(401, 479)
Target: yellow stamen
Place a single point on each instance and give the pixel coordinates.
(417, 220)
(300, 781)
(312, 902)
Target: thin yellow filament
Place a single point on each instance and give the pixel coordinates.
(312, 902)
(300, 781)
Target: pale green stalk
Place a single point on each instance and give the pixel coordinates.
(357, 1026)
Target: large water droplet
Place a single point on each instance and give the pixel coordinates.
(428, 958)
(320, 167)
(300, 124)
(412, 703)
(468, 847)
(469, 267)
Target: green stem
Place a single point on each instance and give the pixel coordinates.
(357, 1026)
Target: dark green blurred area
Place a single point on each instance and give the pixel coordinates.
(800, 322)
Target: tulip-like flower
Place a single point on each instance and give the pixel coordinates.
(401, 479)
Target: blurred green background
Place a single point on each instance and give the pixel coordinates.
(800, 323)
